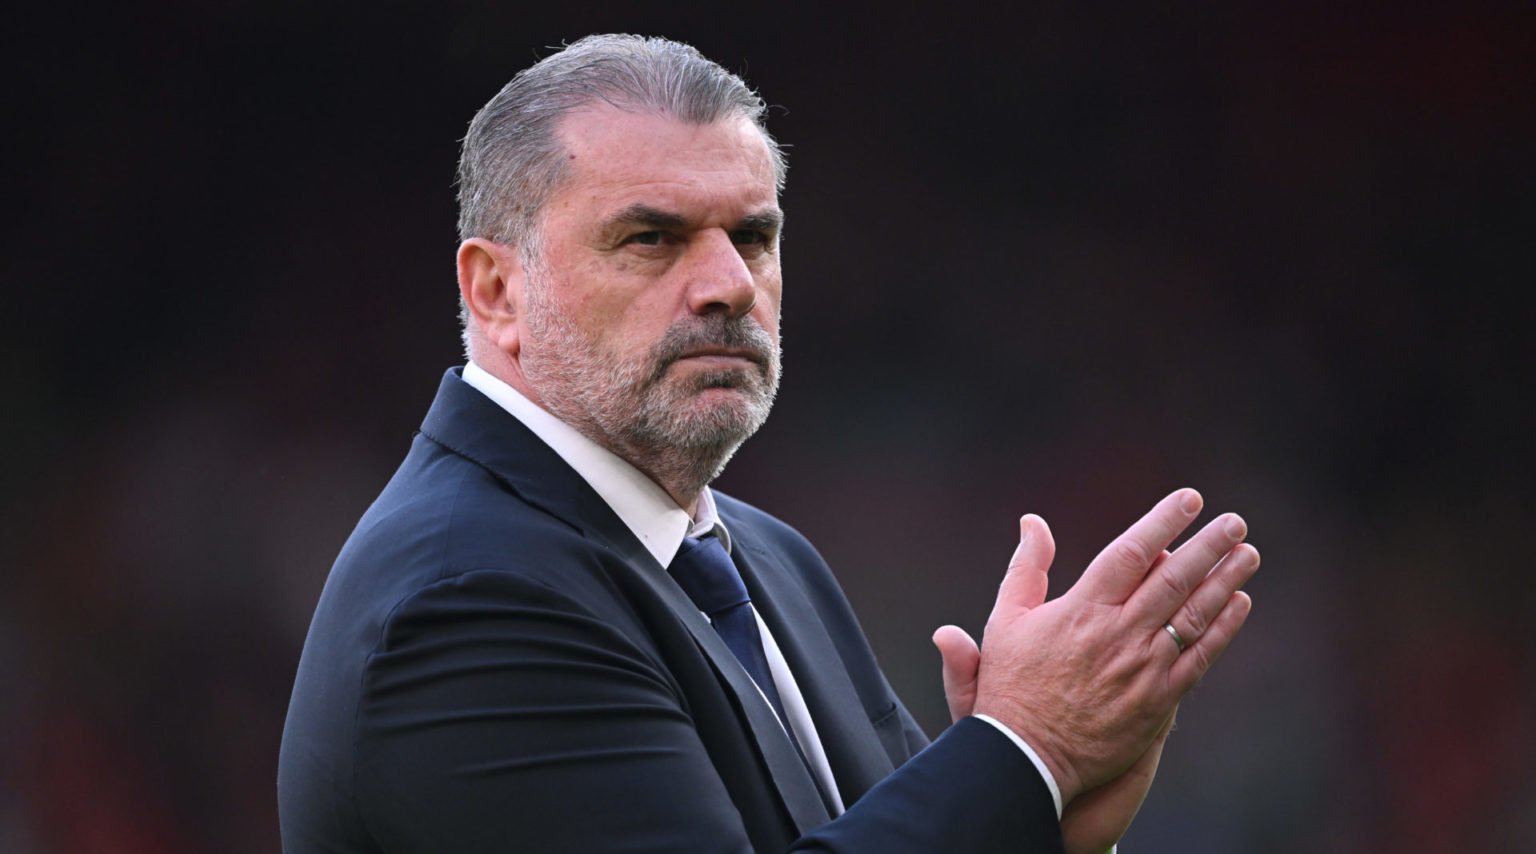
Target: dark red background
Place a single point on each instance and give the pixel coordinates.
(1060, 259)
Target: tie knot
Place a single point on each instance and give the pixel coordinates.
(707, 574)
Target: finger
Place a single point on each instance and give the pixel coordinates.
(1169, 587)
(1025, 584)
(1118, 570)
(1198, 658)
(962, 661)
(1205, 604)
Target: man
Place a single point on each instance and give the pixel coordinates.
(519, 648)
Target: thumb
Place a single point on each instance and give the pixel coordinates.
(1025, 585)
(962, 660)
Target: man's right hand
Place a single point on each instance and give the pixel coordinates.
(1090, 678)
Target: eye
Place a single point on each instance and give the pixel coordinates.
(646, 238)
(750, 237)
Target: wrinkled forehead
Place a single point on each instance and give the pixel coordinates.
(607, 148)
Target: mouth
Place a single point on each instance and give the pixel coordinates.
(722, 357)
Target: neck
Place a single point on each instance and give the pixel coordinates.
(681, 472)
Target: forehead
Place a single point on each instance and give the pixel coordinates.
(617, 158)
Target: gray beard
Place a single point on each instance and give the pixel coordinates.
(656, 422)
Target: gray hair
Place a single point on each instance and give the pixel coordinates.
(513, 158)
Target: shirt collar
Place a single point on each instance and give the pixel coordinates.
(643, 506)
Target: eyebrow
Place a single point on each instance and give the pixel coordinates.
(642, 214)
(770, 219)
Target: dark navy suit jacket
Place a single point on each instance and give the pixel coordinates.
(497, 664)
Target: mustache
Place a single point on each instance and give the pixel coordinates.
(714, 331)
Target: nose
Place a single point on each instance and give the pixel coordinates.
(718, 277)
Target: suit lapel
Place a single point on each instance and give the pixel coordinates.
(789, 773)
(467, 422)
(857, 757)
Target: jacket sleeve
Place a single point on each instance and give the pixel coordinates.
(497, 714)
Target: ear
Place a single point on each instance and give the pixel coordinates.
(491, 283)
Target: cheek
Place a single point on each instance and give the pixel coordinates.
(604, 306)
(766, 313)
(630, 328)
(766, 310)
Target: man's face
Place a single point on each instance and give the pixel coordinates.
(651, 309)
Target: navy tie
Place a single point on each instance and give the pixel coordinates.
(708, 575)
(705, 571)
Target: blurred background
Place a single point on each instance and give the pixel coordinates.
(1058, 259)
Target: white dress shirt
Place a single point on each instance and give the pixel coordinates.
(661, 526)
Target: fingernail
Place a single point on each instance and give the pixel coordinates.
(1190, 503)
(1024, 526)
(1235, 526)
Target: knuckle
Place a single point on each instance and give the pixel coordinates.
(1175, 582)
(1215, 548)
(1191, 617)
(1132, 552)
(1203, 659)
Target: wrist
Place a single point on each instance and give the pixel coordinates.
(1035, 741)
(1034, 757)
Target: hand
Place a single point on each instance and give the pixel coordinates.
(1094, 821)
(1090, 679)
(1097, 819)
